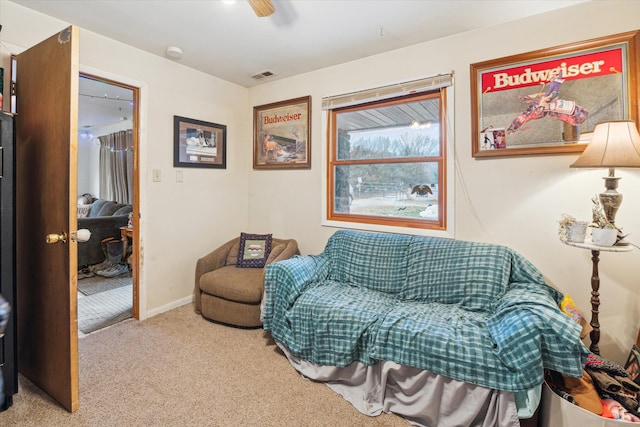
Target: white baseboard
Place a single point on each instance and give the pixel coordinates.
(170, 306)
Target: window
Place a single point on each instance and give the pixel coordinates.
(387, 159)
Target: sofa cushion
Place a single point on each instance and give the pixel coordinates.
(110, 207)
(232, 255)
(442, 338)
(275, 253)
(96, 207)
(334, 324)
(254, 250)
(372, 260)
(124, 210)
(234, 284)
(101, 207)
(469, 274)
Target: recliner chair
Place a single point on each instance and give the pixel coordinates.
(225, 293)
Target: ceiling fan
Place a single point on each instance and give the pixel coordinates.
(262, 8)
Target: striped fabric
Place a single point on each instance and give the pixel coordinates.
(373, 261)
(336, 324)
(284, 284)
(474, 312)
(471, 275)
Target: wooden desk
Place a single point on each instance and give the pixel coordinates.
(595, 285)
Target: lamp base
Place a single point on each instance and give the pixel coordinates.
(610, 199)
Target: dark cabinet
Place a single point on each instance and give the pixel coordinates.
(8, 340)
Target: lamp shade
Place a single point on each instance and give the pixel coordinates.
(614, 144)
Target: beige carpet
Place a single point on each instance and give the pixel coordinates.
(176, 369)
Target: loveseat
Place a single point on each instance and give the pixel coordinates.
(412, 325)
(103, 219)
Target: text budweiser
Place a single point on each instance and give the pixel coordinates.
(269, 120)
(502, 80)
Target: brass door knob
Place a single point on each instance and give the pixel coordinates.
(55, 238)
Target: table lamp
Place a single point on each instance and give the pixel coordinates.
(614, 144)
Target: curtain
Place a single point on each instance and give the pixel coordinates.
(116, 166)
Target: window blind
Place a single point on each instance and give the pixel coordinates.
(385, 92)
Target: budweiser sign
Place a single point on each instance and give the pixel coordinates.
(573, 68)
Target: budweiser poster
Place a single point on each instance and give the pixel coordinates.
(281, 134)
(545, 102)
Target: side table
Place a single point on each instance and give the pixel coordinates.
(126, 233)
(595, 285)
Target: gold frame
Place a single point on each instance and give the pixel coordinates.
(598, 83)
(282, 134)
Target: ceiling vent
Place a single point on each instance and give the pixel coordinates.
(263, 74)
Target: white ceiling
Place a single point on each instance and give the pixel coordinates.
(227, 40)
(102, 104)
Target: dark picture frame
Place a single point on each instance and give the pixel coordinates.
(199, 144)
(549, 101)
(282, 134)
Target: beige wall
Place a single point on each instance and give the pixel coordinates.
(512, 201)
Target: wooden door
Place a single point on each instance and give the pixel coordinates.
(46, 197)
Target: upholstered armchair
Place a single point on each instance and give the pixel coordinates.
(228, 294)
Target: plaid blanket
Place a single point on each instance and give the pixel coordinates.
(474, 312)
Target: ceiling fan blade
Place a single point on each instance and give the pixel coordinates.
(262, 8)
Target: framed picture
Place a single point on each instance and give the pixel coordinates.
(549, 101)
(282, 135)
(198, 144)
(633, 364)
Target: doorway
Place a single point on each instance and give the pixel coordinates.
(108, 181)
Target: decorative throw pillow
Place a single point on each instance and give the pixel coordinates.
(254, 250)
(83, 211)
(85, 199)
